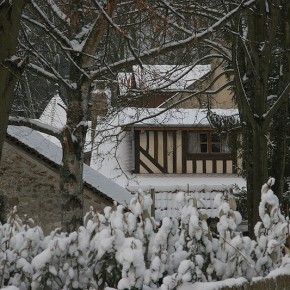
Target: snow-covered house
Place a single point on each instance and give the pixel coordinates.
(167, 152)
(176, 141)
(154, 86)
(182, 143)
(144, 148)
(29, 179)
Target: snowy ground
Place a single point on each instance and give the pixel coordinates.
(183, 181)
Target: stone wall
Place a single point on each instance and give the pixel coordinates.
(32, 185)
(275, 281)
(281, 282)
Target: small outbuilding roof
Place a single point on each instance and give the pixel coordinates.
(50, 152)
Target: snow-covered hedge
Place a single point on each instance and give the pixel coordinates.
(129, 250)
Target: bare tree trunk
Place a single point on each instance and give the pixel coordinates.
(71, 182)
(280, 126)
(279, 140)
(256, 67)
(10, 67)
(248, 167)
(71, 178)
(259, 174)
(256, 166)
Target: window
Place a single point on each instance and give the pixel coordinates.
(206, 142)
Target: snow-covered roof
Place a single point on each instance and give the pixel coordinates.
(55, 115)
(163, 118)
(168, 76)
(165, 77)
(51, 151)
(174, 117)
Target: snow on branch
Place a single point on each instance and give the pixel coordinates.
(49, 25)
(219, 48)
(242, 93)
(281, 98)
(52, 76)
(172, 9)
(16, 64)
(94, 35)
(58, 12)
(112, 23)
(36, 125)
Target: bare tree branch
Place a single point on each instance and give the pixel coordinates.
(36, 125)
(174, 45)
(49, 25)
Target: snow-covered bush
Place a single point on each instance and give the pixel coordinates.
(231, 255)
(271, 232)
(20, 242)
(127, 249)
(232, 260)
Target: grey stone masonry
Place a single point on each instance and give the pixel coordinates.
(32, 184)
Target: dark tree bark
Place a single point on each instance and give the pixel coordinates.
(279, 131)
(257, 66)
(10, 65)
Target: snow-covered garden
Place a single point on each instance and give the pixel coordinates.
(128, 249)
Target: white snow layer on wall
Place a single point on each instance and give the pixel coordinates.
(213, 285)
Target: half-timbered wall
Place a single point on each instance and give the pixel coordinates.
(159, 151)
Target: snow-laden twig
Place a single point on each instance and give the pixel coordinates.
(36, 125)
